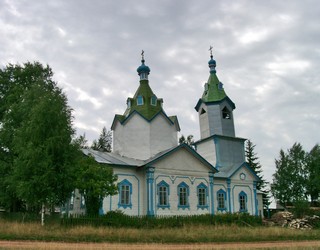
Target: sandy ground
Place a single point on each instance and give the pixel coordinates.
(256, 245)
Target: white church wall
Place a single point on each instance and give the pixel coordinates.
(132, 139)
(207, 150)
(163, 135)
(175, 169)
(227, 124)
(140, 139)
(230, 151)
(136, 179)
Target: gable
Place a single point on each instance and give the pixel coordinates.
(244, 173)
(181, 158)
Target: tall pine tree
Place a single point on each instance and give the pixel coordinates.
(253, 161)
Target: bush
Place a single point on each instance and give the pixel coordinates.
(301, 208)
(118, 219)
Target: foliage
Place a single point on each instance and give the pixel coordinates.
(81, 141)
(313, 174)
(35, 135)
(104, 143)
(301, 208)
(118, 219)
(189, 140)
(253, 161)
(94, 181)
(289, 179)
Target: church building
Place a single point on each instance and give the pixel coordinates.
(158, 176)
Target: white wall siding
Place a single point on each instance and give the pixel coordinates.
(140, 139)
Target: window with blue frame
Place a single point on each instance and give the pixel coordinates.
(71, 204)
(183, 193)
(243, 202)
(163, 192)
(82, 202)
(202, 193)
(153, 100)
(221, 200)
(125, 192)
(140, 100)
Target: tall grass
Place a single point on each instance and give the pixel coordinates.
(185, 234)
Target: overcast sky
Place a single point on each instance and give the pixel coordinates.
(267, 54)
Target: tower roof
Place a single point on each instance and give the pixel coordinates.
(144, 101)
(213, 89)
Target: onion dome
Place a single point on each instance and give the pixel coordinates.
(212, 62)
(143, 70)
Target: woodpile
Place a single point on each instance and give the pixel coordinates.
(286, 219)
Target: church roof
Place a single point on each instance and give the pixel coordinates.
(144, 102)
(213, 89)
(118, 160)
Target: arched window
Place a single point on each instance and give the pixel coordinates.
(221, 200)
(183, 193)
(125, 192)
(243, 202)
(202, 193)
(163, 192)
(226, 114)
(140, 100)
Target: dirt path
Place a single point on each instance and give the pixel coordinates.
(256, 245)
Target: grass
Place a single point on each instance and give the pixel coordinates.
(186, 234)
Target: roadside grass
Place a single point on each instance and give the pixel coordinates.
(186, 234)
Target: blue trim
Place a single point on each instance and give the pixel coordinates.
(187, 205)
(150, 181)
(217, 143)
(140, 100)
(138, 181)
(153, 100)
(211, 192)
(200, 101)
(205, 187)
(245, 165)
(251, 195)
(245, 197)
(224, 194)
(255, 197)
(121, 185)
(229, 194)
(166, 185)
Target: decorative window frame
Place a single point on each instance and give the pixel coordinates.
(244, 195)
(166, 185)
(82, 202)
(123, 183)
(205, 187)
(140, 101)
(153, 100)
(72, 199)
(224, 193)
(180, 186)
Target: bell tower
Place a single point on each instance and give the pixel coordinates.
(215, 108)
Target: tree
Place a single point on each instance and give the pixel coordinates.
(313, 173)
(81, 141)
(253, 161)
(289, 179)
(94, 181)
(104, 143)
(189, 140)
(35, 135)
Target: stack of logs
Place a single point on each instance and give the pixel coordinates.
(286, 219)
